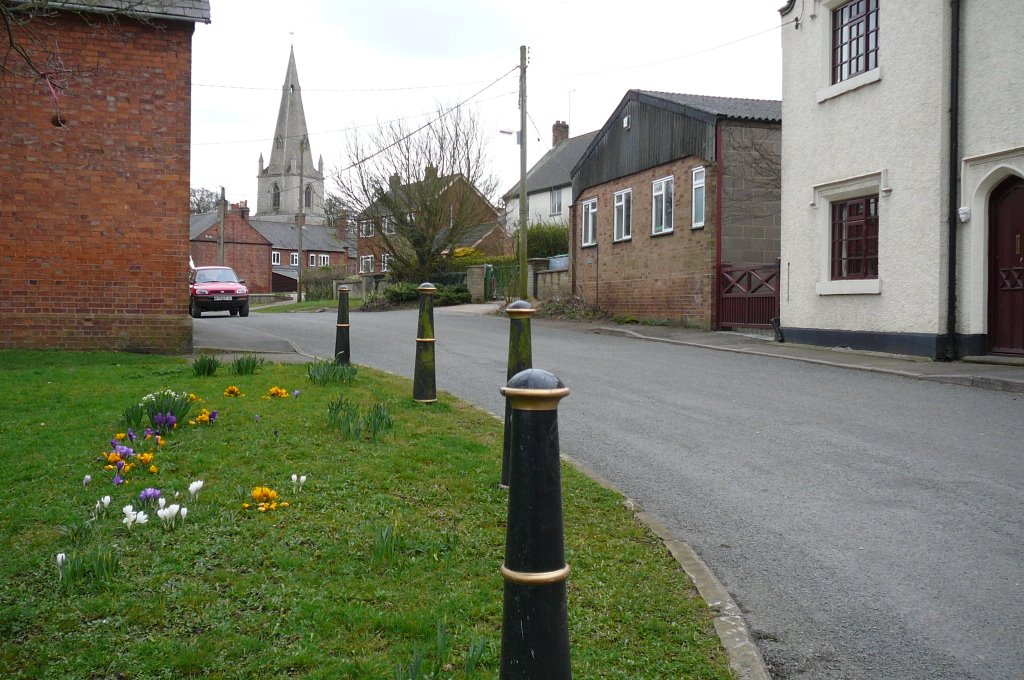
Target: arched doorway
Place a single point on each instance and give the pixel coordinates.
(1006, 268)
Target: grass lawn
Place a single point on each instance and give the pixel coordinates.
(307, 305)
(383, 565)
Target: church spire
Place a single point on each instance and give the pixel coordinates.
(279, 188)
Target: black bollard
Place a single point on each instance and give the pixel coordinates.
(535, 627)
(520, 358)
(424, 386)
(342, 351)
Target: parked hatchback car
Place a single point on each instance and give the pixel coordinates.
(213, 289)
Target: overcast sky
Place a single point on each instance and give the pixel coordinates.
(361, 62)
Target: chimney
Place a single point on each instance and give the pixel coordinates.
(395, 181)
(430, 173)
(243, 209)
(559, 132)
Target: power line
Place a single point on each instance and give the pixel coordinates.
(347, 90)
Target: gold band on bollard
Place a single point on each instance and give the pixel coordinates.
(425, 340)
(534, 400)
(536, 578)
(343, 325)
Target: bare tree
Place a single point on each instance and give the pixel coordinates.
(420, 191)
(202, 201)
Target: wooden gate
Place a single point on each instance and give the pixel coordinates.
(749, 295)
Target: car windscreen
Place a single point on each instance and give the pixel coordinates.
(215, 275)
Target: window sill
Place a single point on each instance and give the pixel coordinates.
(850, 287)
(849, 84)
(695, 227)
(626, 239)
(588, 245)
(665, 232)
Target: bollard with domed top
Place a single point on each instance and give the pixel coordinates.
(424, 386)
(535, 625)
(520, 358)
(342, 351)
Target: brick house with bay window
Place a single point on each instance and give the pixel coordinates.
(672, 188)
(94, 185)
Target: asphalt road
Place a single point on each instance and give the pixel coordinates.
(868, 525)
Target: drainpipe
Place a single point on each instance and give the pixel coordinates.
(719, 181)
(951, 352)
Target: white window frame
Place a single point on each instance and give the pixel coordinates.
(555, 202)
(623, 215)
(275, 257)
(385, 262)
(312, 259)
(295, 259)
(366, 228)
(366, 264)
(325, 260)
(388, 226)
(588, 223)
(666, 213)
(699, 176)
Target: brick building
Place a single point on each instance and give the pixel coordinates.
(671, 189)
(94, 180)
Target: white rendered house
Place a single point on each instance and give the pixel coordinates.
(903, 134)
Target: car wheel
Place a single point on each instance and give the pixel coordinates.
(233, 312)
(244, 310)
(193, 309)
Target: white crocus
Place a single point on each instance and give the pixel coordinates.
(295, 483)
(141, 518)
(129, 520)
(106, 501)
(61, 559)
(194, 488)
(129, 511)
(184, 512)
(161, 502)
(87, 480)
(302, 480)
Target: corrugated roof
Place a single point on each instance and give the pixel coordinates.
(174, 10)
(554, 169)
(726, 107)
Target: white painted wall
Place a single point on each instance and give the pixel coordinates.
(886, 128)
(992, 141)
(539, 207)
(890, 128)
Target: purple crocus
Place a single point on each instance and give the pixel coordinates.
(148, 432)
(296, 393)
(124, 451)
(170, 420)
(131, 435)
(149, 494)
(213, 416)
(159, 419)
(120, 465)
(118, 480)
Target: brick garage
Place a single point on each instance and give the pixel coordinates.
(94, 213)
(668, 276)
(722, 149)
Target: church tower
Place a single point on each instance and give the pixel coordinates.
(280, 187)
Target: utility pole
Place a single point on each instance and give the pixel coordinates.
(523, 209)
(220, 232)
(300, 221)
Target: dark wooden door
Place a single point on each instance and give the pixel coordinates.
(1006, 267)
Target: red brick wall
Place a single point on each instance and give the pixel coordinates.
(245, 250)
(94, 215)
(669, 276)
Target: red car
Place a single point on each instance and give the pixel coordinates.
(215, 289)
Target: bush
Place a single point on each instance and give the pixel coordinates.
(547, 240)
(452, 295)
(318, 282)
(400, 293)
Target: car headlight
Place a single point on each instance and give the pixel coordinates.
(242, 290)
(202, 291)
